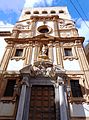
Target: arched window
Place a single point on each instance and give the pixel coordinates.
(44, 12)
(27, 12)
(36, 12)
(61, 11)
(52, 12)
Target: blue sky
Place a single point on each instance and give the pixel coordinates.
(10, 11)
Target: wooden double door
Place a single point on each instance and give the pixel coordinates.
(42, 103)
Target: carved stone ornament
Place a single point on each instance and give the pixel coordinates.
(23, 35)
(45, 69)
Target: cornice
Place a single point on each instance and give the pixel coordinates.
(45, 38)
(51, 17)
(5, 33)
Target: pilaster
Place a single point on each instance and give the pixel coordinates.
(56, 30)
(36, 51)
(58, 54)
(82, 57)
(33, 27)
(62, 102)
(57, 100)
(50, 53)
(28, 56)
(6, 56)
(24, 101)
(84, 63)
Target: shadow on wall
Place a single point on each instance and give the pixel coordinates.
(78, 107)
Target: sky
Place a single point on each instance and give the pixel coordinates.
(10, 11)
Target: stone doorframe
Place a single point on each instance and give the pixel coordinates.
(35, 76)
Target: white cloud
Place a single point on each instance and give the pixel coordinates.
(4, 27)
(84, 30)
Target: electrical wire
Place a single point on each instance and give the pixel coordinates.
(79, 14)
(82, 9)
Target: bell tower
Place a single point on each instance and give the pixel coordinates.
(44, 73)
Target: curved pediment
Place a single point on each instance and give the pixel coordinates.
(44, 36)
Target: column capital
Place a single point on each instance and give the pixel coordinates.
(30, 43)
(50, 44)
(56, 85)
(37, 44)
(60, 80)
(25, 81)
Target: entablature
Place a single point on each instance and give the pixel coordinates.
(45, 38)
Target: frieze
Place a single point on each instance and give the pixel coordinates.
(68, 44)
(42, 18)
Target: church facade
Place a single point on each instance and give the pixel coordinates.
(44, 73)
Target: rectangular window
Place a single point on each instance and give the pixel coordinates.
(68, 51)
(76, 88)
(19, 52)
(9, 88)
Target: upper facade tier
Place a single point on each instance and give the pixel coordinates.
(53, 21)
(62, 12)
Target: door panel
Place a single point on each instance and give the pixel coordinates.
(42, 105)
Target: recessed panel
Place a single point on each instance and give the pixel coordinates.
(42, 105)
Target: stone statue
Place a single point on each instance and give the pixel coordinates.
(44, 50)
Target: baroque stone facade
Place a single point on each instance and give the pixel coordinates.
(87, 52)
(44, 73)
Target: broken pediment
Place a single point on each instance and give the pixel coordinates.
(51, 71)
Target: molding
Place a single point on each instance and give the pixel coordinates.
(76, 100)
(18, 58)
(5, 33)
(71, 58)
(47, 37)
